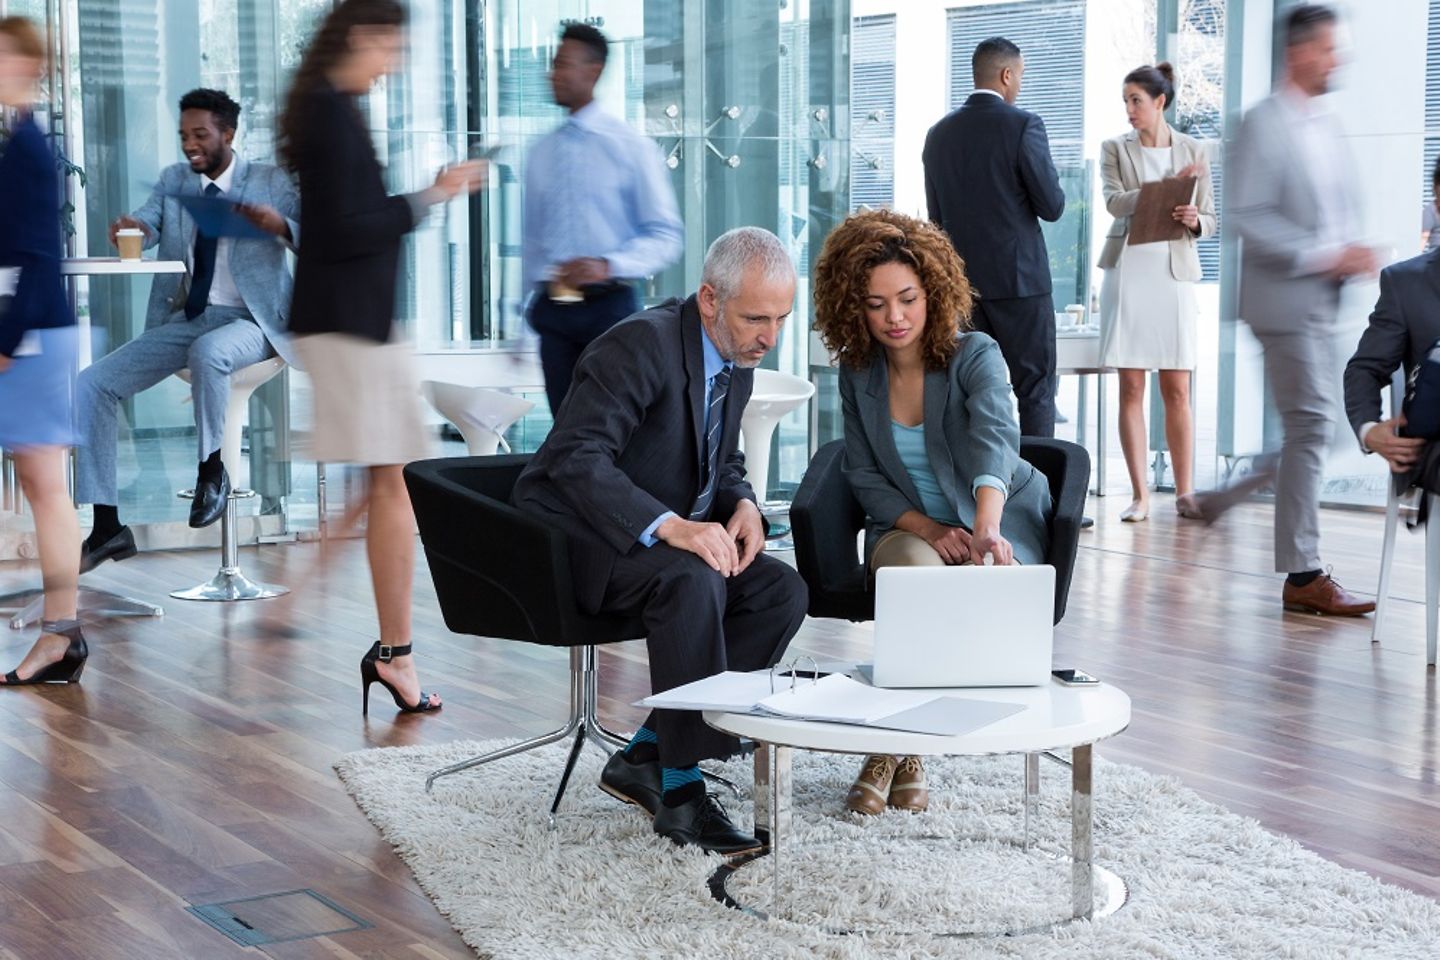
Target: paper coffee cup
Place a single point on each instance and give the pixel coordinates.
(131, 241)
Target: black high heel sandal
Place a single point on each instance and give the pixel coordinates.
(65, 670)
(384, 653)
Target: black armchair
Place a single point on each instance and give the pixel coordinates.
(502, 573)
(826, 519)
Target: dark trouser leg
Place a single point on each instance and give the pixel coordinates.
(1024, 327)
(698, 624)
(566, 329)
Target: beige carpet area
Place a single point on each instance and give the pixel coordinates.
(1203, 882)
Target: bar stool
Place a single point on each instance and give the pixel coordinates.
(774, 395)
(480, 414)
(230, 583)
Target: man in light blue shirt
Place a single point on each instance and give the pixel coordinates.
(599, 215)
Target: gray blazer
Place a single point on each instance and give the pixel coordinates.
(628, 442)
(259, 267)
(1405, 322)
(1121, 172)
(1273, 204)
(970, 431)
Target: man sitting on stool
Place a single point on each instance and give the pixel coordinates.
(230, 314)
(642, 471)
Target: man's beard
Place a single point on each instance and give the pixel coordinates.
(725, 342)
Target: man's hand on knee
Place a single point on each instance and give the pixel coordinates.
(708, 541)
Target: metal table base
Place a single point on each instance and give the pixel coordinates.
(30, 605)
(1094, 890)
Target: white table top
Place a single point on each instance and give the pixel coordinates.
(111, 266)
(1056, 717)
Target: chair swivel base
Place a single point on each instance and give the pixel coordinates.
(91, 603)
(229, 584)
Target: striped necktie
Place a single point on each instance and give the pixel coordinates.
(714, 426)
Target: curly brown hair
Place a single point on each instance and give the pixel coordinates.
(842, 277)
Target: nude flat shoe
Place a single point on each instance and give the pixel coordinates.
(1137, 512)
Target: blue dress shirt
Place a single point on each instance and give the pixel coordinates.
(596, 188)
(714, 363)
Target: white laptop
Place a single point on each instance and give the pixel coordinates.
(963, 626)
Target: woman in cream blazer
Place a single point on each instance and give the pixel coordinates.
(1147, 300)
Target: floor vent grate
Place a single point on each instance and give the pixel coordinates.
(278, 917)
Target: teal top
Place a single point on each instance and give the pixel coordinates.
(910, 444)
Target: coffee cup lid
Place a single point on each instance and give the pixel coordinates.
(130, 232)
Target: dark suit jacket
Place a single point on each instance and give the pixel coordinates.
(628, 442)
(30, 236)
(988, 176)
(347, 268)
(1405, 322)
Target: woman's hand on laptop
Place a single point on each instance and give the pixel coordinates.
(986, 541)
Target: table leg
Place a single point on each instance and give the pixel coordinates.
(779, 823)
(1082, 407)
(1032, 793)
(1081, 838)
(761, 793)
(1100, 434)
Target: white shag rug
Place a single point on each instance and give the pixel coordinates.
(1203, 882)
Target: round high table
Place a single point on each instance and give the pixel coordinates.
(1054, 717)
(101, 603)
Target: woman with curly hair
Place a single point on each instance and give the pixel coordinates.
(932, 447)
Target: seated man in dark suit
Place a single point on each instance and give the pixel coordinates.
(1405, 322)
(642, 471)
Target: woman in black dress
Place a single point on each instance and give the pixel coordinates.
(366, 394)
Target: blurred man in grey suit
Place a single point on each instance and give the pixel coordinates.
(643, 472)
(1292, 199)
(1403, 326)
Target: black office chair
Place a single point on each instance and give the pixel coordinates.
(502, 573)
(826, 518)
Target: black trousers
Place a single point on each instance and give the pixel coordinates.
(700, 623)
(566, 329)
(1025, 329)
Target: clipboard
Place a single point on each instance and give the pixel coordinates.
(217, 217)
(1152, 222)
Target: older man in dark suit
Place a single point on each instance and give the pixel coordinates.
(643, 472)
(1403, 326)
(989, 181)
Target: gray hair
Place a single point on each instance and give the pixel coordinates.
(736, 250)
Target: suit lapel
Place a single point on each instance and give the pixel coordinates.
(691, 333)
(937, 448)
(878, 426)
(1132, 152)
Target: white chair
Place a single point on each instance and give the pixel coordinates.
(1432, 552)
(480, 414)
(230, 583)
(775, 394)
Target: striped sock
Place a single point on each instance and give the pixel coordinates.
(642, 747)
(680, 785)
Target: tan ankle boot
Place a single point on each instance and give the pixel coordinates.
(907, 787)
(871, 787)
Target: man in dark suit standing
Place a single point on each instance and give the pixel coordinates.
(1403, 326)
(988, 177)
(642, 471)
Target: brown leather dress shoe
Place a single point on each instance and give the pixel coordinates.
(1323, 595)
(907, 790)
(871, 787)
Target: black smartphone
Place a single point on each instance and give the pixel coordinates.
(1074, 677)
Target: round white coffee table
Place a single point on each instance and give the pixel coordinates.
(1054, 717)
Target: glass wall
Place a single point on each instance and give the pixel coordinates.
(748, 100)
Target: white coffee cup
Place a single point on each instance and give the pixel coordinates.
(131, 241)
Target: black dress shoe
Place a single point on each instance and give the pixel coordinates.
(702, 822)
(119, 547)
(210, 498)
(1086, 523)
(636, 782)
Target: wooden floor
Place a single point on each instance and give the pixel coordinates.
(193, 764)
